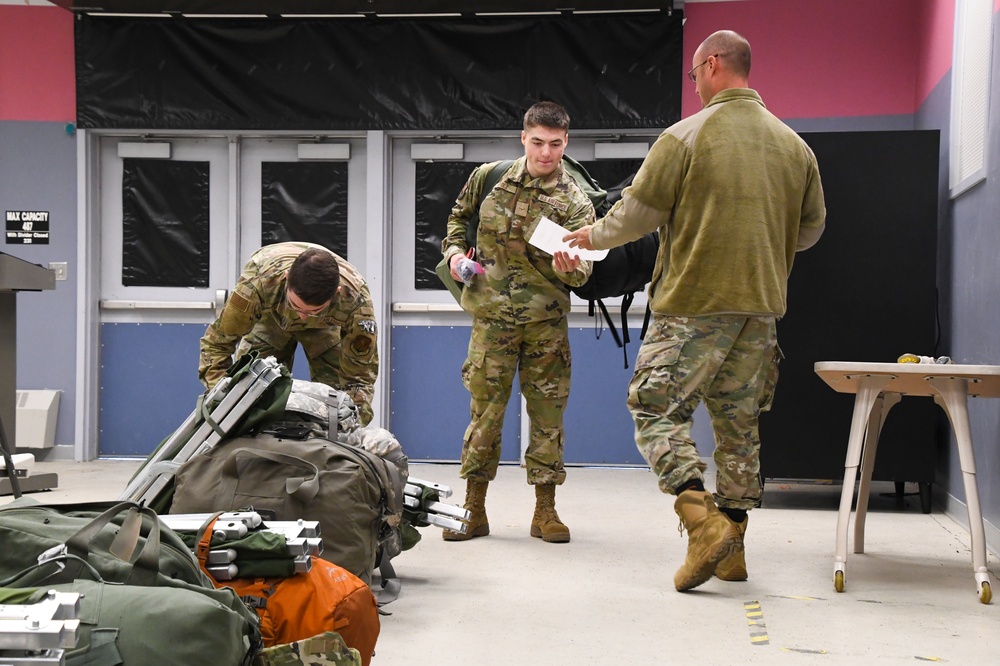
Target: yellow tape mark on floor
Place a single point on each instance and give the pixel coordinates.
(755, 619)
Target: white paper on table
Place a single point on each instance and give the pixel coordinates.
(548, 237)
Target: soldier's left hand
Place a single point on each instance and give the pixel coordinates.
(564, 263)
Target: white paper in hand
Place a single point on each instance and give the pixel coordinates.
(548, 237)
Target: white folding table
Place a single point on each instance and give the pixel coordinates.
(879, 386)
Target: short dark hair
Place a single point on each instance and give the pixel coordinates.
(546, 114)
(314, 276)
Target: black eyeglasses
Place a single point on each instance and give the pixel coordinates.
(691, 75)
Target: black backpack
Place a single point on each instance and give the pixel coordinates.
(626, 270)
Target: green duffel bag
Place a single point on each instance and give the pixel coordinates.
(124, 542)
(348, 490)
(126, 625)
(121, 546)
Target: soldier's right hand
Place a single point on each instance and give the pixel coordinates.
(453, 263)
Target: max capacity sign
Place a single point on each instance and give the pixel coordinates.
(27, 227)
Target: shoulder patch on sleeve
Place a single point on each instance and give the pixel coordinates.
(360, 345)
(239, 301)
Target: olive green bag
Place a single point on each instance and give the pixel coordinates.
(167, 626)
(355, 495)
(124, 542)
(144, 593)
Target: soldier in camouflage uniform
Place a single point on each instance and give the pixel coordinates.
(734, 194)
(299, 293)
(519, 307)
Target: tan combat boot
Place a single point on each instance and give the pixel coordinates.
(545, 524)
(733, 567)
(475, 504)
(711, 537)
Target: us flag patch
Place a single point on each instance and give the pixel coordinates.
(238, 301)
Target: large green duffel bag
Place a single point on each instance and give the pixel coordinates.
(128, 625)
(349, 491)
(124, 542)
(144, 586)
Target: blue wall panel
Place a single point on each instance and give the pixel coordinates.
(430, 406)
(149, 384)
(599, 428)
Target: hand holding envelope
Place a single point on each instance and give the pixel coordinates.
(548, 237)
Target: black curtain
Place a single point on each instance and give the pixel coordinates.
(611, 71)
(304, 201)
(164, 223)
(437, 187)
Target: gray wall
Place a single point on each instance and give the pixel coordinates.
(969, 280)
(38, 172)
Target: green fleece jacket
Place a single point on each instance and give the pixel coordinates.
(734, 193)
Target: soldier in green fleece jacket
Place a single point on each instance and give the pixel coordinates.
(735, 194)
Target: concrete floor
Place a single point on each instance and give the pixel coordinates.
(607, 596)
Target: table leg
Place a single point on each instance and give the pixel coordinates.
(954, 398)
(869, 388)
(880, 410)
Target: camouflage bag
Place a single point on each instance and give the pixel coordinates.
(326, 649)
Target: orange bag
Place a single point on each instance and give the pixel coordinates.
(327, 598)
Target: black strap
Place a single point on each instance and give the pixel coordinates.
(626, 304)
(390, 584)
(645, 322)
(607, 318)
(493, 177)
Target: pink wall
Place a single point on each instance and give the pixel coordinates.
(895, 53)
(37, 78)
(820, 58)
(936, 34)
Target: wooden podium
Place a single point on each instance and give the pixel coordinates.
(16, 275)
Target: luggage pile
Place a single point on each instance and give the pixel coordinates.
(261, 521)
(129, 572)
(274, 568)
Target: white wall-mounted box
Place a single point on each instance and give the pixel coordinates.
(36, 419)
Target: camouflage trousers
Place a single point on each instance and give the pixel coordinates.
(730, 363)
(323, 351)
(539, 353)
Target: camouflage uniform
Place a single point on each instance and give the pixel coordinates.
(734, 194)
(728, 361)
(519, 307)
(340, 342)
(327, 649)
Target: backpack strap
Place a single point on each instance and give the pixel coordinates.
(623, 340)
(390, 585)
(607, 318)
(493, 177)
(626, 304)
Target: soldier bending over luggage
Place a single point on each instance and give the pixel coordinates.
(299, 293)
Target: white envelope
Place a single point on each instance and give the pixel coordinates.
(548, 237)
